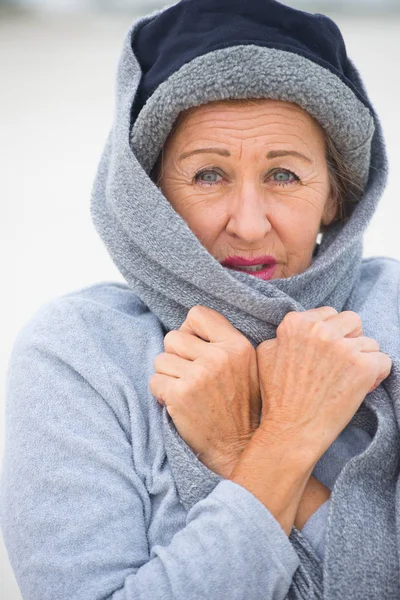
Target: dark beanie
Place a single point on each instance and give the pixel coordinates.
(193, 28)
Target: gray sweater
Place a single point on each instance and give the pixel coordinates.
(96, 502)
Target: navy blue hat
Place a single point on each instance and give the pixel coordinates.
(200, 51)
(192, 28)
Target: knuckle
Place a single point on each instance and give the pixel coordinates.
(159, 360)
(244, 346)
(196, 312)
(353, 314)
(292, 317)
(373, 343)
(355, 317)
(201, 374)
(321, 332)
(220, 357)
(171, 339)
(154, 388)
(327, 309)
(290, 321)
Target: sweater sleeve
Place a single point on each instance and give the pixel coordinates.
(74, 510)
(315, 529)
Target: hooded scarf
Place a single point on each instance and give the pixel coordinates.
(198, 51)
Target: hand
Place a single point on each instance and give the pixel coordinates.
(208, 379)
(315, 374)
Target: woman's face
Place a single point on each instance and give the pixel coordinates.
(252, 182)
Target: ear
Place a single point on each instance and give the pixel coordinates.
(330, 210)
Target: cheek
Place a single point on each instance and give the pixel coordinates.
(203, 216)
(206, 229)
(206, 220)
(299, 223)
(300, 229)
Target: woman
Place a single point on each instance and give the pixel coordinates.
(268, 467)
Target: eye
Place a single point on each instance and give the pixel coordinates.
(284, 177)
(207, 177)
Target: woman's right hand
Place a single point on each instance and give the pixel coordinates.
(315, 374)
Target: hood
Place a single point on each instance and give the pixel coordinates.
(269, 51)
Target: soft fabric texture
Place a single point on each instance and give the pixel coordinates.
(315, 529)
(95, 502)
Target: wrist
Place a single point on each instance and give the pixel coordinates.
(223, 463)
(271, 470)
(294, 445)
(222, 466)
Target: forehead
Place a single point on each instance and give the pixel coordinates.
(247, 118)
(248, 107)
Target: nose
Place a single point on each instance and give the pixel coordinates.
(248, 214)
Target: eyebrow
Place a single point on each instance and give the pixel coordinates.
(219, 151)
(272, 154)
(279, 153)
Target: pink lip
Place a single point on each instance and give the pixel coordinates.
(238, 261)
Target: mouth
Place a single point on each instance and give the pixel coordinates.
(262, 267)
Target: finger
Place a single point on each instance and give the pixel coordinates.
(209, 325)
(321, 314)
(365, 344)
(346, 324)
(161, 386)
(384, 366)
(184, 344)
(170, 364)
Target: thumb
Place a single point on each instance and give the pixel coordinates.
(209, 325)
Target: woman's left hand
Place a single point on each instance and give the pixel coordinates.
(208, 379)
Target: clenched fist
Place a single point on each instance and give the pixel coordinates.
(315, 374)
(208, 379)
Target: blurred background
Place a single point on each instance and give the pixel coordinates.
(142, 6)
(58, 60)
